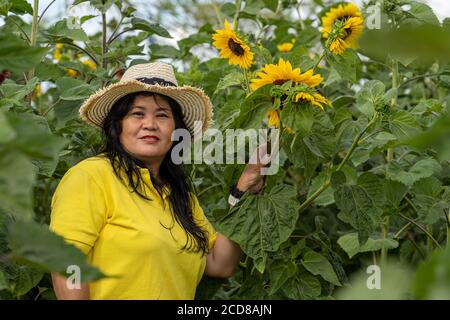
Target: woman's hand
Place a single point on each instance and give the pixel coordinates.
(251, 178)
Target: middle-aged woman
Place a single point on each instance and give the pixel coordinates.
(130, 209)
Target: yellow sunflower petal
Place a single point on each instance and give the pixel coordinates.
(232, 47)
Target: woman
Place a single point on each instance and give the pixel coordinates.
(130, 209)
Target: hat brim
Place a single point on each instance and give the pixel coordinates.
(195, 104)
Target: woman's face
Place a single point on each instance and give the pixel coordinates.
(147, 128)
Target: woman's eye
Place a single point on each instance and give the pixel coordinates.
(139, 114)
(162, 115)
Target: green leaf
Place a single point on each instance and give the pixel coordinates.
(318, 265)
(325, 198)
(360, 204)
(3, 281)
(101, 5)
(86, 18)
(423, 13)
(347, 65)
(26, 278)
(298, 118)
(261, 223)
(254, 109)
(34, 136)
(163, 51)
(395, 192)
(431, 206)
(20, 7)
(36, 244)
(370, 97)
(280, 272)
(433, 277)
(17, 91)
(434, 137)
(7, 132)
(271, 4)
(47, 70)
(403, 125)
(16, 184)
(16, 56)
(61, 32)
(321, 141)
(350, 244)
(73, 89)
(421, 169)
(304, 286)
(300, 155)
(231, 79)
(143, 25)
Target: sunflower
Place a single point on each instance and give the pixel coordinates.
(285, 47)
(282, 72)
(37, 91)
(232, 47)
(343, 26)
(72, 73)
(315, 99)
(274, 120)
(91, 64)
(57, 52)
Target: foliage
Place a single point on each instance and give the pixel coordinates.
(364, 182)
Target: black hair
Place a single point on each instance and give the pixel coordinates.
(181, 196)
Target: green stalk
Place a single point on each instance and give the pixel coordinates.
(429, 241)
(236, 14)
(389, 158)
(384, 232)
(247, 81)
(34, 30)
(448, 228)
(104, 42)
(217, 12)
(347, 156)
(395, 84)
(320, 59)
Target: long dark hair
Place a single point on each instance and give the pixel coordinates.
(181, 195)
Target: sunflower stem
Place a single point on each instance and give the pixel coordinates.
(236, 14)
(384, 232)
(302, 24)
(390, 151)
(34, 31)
(33, 38)
(104, 42)
(217, 12)
(319, 60)
(247, 83)
(347, 156)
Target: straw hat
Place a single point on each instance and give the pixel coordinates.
(156, 77)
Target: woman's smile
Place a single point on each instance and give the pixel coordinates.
(147, 129)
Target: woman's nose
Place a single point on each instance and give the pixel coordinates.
(149, 122)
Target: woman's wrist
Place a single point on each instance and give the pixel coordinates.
(242, 186)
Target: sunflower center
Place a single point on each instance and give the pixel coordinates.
(279, 82)
(235, 47)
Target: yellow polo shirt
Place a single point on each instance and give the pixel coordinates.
(123, 234)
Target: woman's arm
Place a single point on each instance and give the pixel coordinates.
(223, 259)
(63, 292)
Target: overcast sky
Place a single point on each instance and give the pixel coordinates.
(60, 8)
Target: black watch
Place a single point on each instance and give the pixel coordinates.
(235, 192)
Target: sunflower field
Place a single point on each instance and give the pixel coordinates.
(360, 91)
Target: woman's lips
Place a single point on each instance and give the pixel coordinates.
(150, 139)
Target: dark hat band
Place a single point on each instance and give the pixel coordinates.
(159, 81)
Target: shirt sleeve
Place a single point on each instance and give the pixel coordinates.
(203, 222)
(79, 209)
